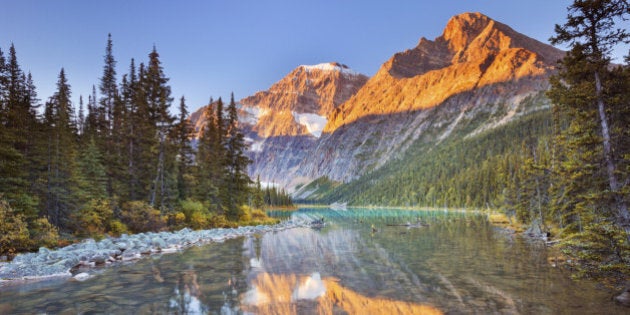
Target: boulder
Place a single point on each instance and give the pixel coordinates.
(98, 259)
(624, 297)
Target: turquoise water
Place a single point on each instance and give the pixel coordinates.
(453, 263)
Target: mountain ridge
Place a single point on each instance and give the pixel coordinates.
(478, 69)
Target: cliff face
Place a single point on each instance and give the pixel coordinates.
(284, 122)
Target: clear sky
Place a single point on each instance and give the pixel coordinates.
(211, 47)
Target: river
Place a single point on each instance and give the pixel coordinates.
(360, 262)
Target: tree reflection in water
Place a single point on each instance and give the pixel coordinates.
(186, 295)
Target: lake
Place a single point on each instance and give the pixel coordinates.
(360, 262)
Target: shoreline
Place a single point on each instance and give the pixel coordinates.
(73, 261)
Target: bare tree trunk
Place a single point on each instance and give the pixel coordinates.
(623, 217)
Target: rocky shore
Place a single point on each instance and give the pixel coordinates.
(70, 260)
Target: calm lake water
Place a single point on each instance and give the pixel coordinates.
(458, 264)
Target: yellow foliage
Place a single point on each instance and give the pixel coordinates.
(176, 220)
(141, 217)
(198, 220)
(116, 228)
(14, 236)
(43, 233)
(94, 218)
(258, 214)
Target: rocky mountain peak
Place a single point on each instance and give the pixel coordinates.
(467, 38)
(462, 29)
(474, 51)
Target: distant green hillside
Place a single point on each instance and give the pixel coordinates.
(461, 171)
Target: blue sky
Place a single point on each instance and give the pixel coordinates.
(211, 48)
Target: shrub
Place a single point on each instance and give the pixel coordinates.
(221, 221)
(43, 233)
(176, 220)
(141, 217)
(94, 218)
(244, 214)
(196, 213)
(14, 236)
(116, 228)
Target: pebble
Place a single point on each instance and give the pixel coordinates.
(81, 276)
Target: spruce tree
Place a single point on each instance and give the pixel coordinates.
(158, 95)
(108, 87)
(183, 133)
(133, 120)
(60, 180)
(81, 118)
(209, 160)
(259, 198)
(111, 123)
(237, 181)
(19, 120)
(592, 32)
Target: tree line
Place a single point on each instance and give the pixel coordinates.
(119, 162)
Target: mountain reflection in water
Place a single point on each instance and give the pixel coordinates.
(291, 294)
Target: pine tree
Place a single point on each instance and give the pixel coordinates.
(158, 95)
(259, 197)
(111, 140)
(237, 181)
(209, 159)
(146, 142)
(592, 32)
(61, 177)
(92, 173)
(183, 132)
(19, 120)
(108, 86)
(81, 118)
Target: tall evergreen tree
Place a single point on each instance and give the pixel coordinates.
(592, 32)
(113, 111)
(209, 159)
(108, 86)
(130, 93)
(259, 197)
(61, 176)
(158, 96)
(183, 133)
(81, 118)
(237, 181)
(19, 120)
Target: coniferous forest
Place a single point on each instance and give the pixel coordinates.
(117, 162)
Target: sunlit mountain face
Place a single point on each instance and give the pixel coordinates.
(327, 120)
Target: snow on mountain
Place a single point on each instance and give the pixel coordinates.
(314, 123)
(331, 66)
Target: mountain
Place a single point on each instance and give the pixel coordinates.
(328, 122)
(477, 70)
(284, 122)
